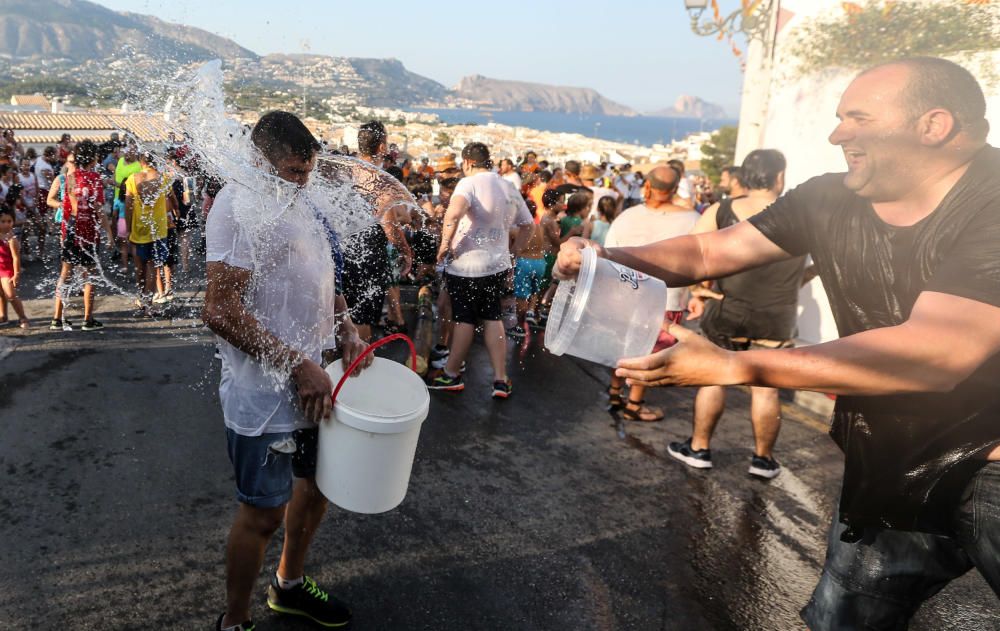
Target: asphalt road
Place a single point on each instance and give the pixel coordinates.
(540, 512)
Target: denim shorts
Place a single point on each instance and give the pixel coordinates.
(881, 581)
(156, 251)
(265, 465)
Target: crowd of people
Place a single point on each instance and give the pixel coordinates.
(116, 211)
(905, 243)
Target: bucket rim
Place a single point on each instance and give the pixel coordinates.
(387, 423)
(571, 311)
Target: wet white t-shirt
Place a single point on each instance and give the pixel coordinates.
(29, 184)
(641, 225)
(292, 295)
(480, 245)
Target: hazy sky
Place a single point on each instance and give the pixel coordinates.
(640, 53)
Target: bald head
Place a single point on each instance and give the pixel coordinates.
(930, 83)
(664, 178)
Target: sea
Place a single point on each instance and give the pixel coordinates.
(638, 130)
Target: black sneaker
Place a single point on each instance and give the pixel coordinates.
(243, 626)
(502, 389)
(91, 325)
(444, 381)
(60, 325)
(516, 332)
(697, 458)
(762, 467)
(440, 352)
(309, 601)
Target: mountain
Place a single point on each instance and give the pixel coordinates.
(78, 30)
(480, 91)
(691, 107)
(82, 48)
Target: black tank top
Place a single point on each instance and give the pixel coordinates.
(758, 304)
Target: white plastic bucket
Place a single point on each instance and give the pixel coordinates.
(609, 312)
(366, 451)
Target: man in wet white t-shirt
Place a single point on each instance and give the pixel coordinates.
(475, 248)
(272, 301)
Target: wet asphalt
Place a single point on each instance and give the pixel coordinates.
(540, 512)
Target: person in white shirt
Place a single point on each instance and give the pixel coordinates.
(476, 250)
(659, 218)
(509, 173)
(272, 301)
(588, 174)
(33, 220)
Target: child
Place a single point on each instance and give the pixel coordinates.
(83, 221)
(597, 229)
(10, 268)
(572, 224)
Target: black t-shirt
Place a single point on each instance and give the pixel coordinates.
(758, 304)
(908, 456)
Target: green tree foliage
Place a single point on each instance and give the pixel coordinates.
(856, 36)
(718, 152)
(48, 87)
(442, 140)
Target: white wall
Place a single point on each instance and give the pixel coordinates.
(800, 114)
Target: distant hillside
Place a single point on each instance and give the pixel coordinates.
(76, 47)
(691, 107)
(481, 91)
(80, 30)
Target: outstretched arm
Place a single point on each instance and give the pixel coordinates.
(684, 260)
(945, 339)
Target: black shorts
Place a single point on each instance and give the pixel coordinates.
(475, 299)
(73, 254)
(171, 248)
(365, 275)
(745, 343)
(425, 246)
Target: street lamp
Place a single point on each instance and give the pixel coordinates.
(752, 19)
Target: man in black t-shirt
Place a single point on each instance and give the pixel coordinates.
(907, 244)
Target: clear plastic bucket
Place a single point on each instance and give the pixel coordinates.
(609, 312)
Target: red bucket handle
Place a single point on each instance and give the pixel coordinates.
(371, 348)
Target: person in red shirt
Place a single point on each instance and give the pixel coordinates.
(82, 220)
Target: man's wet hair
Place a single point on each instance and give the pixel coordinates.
(478, 155)
(281, 135)
(573, 166)
(85, 153)
(577, 203)
(760, 169)
(371, 135)
(939, 83)
(551, 198)
(733, 171)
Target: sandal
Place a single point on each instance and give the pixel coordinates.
(641, 413)
(615, 398)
